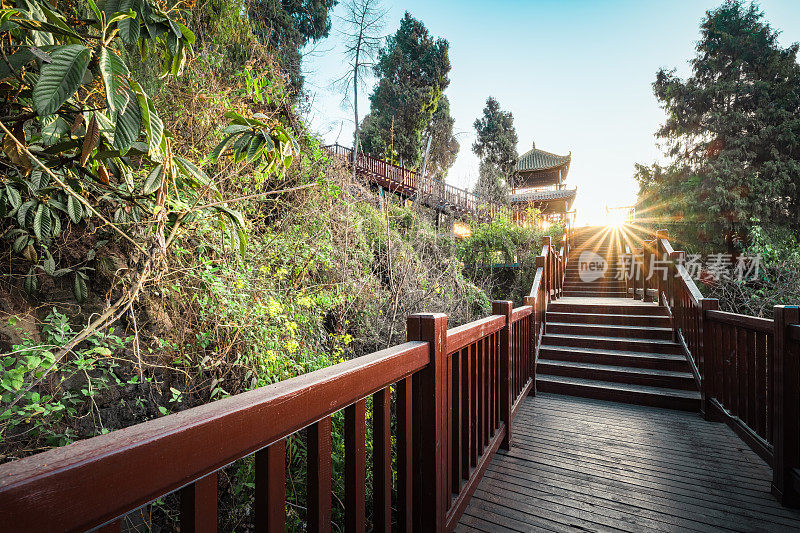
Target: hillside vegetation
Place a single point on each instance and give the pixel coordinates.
(201, 248)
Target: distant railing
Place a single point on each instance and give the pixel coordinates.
(747, 368)
(455, 393)
(411, 183)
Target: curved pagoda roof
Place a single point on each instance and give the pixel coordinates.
(535, 159)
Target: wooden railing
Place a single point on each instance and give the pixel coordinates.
(455, 392)
(747, 368)
(412, 184)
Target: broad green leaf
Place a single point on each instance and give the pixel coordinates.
(122, 16)
(114, 73)
(53, 132)
(129, 29)
(20, 243)
(192, 169)
(14, 197)
(254, 146)
(42, 224)
(60, 79)
(153, 126)
(129, 121)
(79, 288)
(95, 10)
(74, 209)
(187, 33)
(153, 181)
(240, 146)
(31, 282)
(49, 264)
(39, 180)
(214, 156)
(235, 128)
(22, 214)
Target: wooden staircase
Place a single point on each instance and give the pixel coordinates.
(600, 344)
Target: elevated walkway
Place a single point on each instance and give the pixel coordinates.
(579, 464)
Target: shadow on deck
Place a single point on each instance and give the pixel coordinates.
(578, 463)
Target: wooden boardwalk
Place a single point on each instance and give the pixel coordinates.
(583, 464)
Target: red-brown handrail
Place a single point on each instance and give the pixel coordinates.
(747, 368)
(456, 392)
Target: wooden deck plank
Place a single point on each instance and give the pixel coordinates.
(579, 463)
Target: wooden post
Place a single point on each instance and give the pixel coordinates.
(530, 300)
(786, 395)
(429, 406)
(637, 271)
(548, 268)
(504, 307)
(660, 255)
(705, 359)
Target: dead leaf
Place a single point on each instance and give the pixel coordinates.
(76, 123)
(102, 173)
(90, 141)
(14, 151)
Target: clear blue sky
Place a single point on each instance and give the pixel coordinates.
(576, 75)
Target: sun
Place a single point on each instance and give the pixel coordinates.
(616, 218)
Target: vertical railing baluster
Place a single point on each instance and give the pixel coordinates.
(456, 429)
(270, 491)
(355, 476)
(318, 479)
(199, 505)
(382, 460)
(466, 411)
(762, 386)
(504, 307)
(405, 460)
(474, 399)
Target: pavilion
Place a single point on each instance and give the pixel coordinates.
(540, 182)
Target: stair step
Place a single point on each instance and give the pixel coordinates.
(610, 330)
(615, 319)
(619, 392)
(599, 292)
(613, 343)
(625, 358)
(627, 309)
(668, 379)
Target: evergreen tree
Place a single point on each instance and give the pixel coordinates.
(732, 132)
(497, 139)
(444, 146)
(412, 73)
(491, 183)
(288, 25)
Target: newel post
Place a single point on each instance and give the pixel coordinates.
(531, 300)
(705, 359)
(429, 414)
(504, 307)
(786, 387)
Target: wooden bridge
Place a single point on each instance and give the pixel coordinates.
(599, 404)
(411, 184)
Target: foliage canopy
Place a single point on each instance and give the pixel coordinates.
(412, 73)
(496, 141)
(732, 133)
